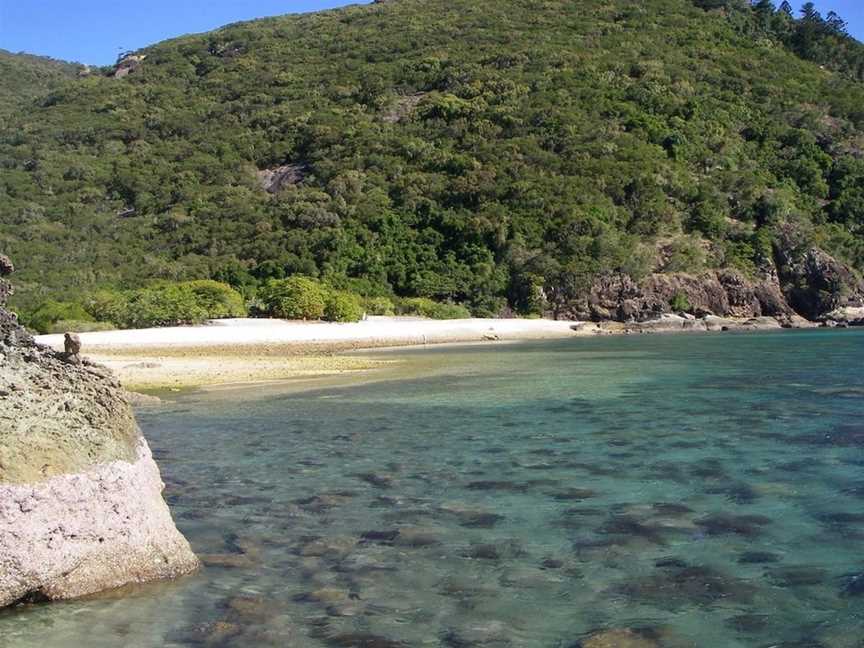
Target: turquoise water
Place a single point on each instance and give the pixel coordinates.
(702, 490)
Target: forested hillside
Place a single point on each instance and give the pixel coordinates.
(485, 152)
(24, 77)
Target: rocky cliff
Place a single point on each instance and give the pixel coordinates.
(800, 281)
(81, 506)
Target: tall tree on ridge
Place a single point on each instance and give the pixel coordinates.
(836, 24)
(809, 13)
(763, 11)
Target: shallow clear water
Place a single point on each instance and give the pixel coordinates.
(704, 490)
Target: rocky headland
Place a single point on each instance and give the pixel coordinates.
(81, 507)
(798, 286)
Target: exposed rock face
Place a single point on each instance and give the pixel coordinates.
(403, 107)
(278, 178)
(815, 283)
(849, 315)
(128, 64)
(724, 293)
(806, 281)
(81, 506)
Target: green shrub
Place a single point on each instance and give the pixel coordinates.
(741, 255)
(50, 312)
(107, 306)
(80, 326)
(685, 255)
(680, 303)
(449, 311)
(162, 305)
(342, 306)
(167, 304)
(423, 307)
(379, 306)
(296, 298)
(218, 299)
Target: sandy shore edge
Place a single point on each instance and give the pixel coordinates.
(244, 351)
(250, 351)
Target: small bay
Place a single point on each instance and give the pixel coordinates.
(703, 490)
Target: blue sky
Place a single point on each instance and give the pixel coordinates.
(94, 31)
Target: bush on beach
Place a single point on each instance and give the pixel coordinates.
(382, 306)
(342, 306)
(79, 326)
(44, 318)
(295, 298)
(424, 307)
(304, 298)
(166, 304)
(193, 302)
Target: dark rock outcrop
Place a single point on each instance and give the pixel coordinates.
(814, 282)
(81, 506)
(278, 178)
(723, 293)
(128, 64)
(805, 282)
(9, 329)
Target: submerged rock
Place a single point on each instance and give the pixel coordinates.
(570, 494)
(728, 524)
(758, 558)
(486, 634)
(748, 622)
(81, 507)
(326, 595)
(376, 479)
(137, 399)
(333, 547)
(505, 549)
(227, 560)
(364, 640)
(385, 537)
(675, 586)
(796, 576)
(415, 537)
(470, 517)
(620, 638)
(853, 585)
(626, 528)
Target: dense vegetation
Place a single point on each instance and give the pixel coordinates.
(822, 39)
(160, 304)
(166, 303)
(491, 153)
(24, 77)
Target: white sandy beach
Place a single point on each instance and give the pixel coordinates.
(375, 331)
(253, 350)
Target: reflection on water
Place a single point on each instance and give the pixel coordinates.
(672, 491)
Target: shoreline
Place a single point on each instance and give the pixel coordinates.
(243, 352)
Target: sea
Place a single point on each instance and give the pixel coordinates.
(633, 492)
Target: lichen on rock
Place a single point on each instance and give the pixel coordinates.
(81, 506)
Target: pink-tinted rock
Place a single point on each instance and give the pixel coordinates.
(83, 533)
(81, 506)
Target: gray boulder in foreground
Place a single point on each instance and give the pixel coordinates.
(81, 507)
